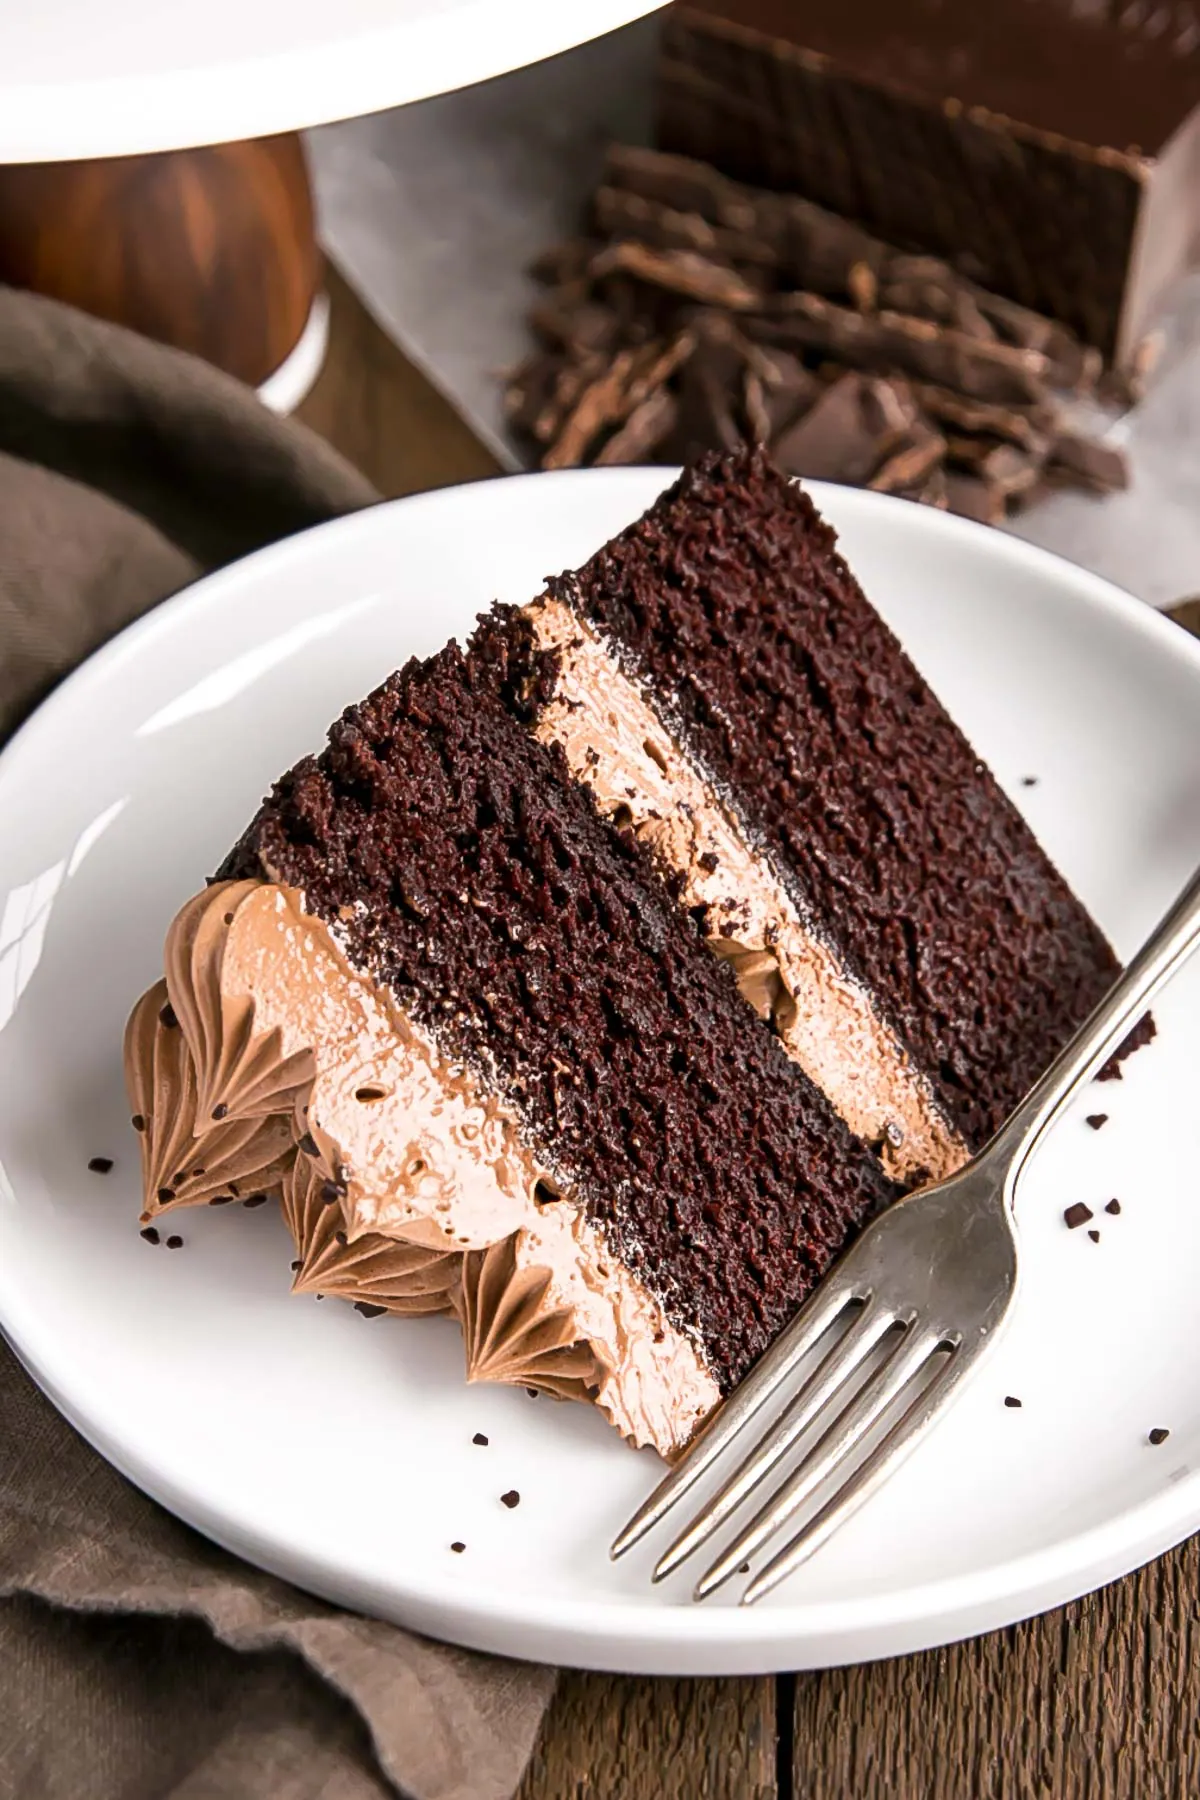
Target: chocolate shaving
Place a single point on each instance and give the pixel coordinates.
(681, 272)
(643, 431)
(972, 498)
(1092, 464)
(696, 312)
(982, 371)
(915, 461)
(1077, 1215)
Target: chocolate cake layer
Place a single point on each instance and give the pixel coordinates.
(459, 865)
(1047, 150)
(731, 604)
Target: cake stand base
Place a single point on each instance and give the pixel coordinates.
(210, 250)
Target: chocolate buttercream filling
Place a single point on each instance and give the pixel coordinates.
(616, 743)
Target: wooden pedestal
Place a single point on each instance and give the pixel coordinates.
(211, 250)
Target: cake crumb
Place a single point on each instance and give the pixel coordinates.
(100, 1165)
(1159, 1435)
(1114, 1206)
(1096, 1120)
(511, 1499)
(1079, 1214)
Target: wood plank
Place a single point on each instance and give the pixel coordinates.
(1094, 1701)
(374, 406)
(614, 1737)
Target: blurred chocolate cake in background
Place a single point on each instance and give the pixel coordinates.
(1048, 149)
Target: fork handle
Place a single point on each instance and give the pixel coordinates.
(1100, 1034)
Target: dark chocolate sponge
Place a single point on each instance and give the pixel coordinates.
(730, 600)
(534, 941)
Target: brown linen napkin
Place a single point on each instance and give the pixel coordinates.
(137, 1660)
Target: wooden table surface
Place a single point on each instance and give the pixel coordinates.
(1097, 1701)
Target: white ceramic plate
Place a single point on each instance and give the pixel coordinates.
(338, 1451)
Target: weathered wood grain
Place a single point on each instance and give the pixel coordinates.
(381, 412)
(610, 1737)
(1097, 1701)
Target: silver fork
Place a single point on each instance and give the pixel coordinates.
(927, 1288)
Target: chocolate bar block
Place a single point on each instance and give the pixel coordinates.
(1049, 149)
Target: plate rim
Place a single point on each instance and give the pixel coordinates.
(647, 1639)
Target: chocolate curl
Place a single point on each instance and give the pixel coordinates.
(621, 214)
(981, 371)
(683, 272)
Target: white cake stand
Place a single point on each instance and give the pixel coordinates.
(78, 79)
(81, 81)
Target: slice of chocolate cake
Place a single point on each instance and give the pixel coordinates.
(455, 995)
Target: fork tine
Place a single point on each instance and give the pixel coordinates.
(871, 1474)
(807, 1328)
(850, 1426)
(847, 1355)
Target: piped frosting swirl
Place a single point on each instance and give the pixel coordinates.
(370, 1270)
(242, 1071)
(187, 1158)
(514, 1330)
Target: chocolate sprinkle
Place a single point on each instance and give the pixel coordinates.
(743, 1568)
(100, 1165)
(255, 1200)
(168, 1017)
(297, 1263)
(174, 1242)
(1159, 1435)
(165, 1196)
(332, 1191)
(1096, 1120)
(138, 1122)
(479, 1438)
(221, 1200)
(1011, 1400)
(150, 1234)
(367, 1310)
(1029, 781)
(532, 1392)
(1079, 1214)
(309, 1145)
(458, 1546)
(1095, 1236)
(220, 1111)
(511, 1499)
(1114, 1206)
